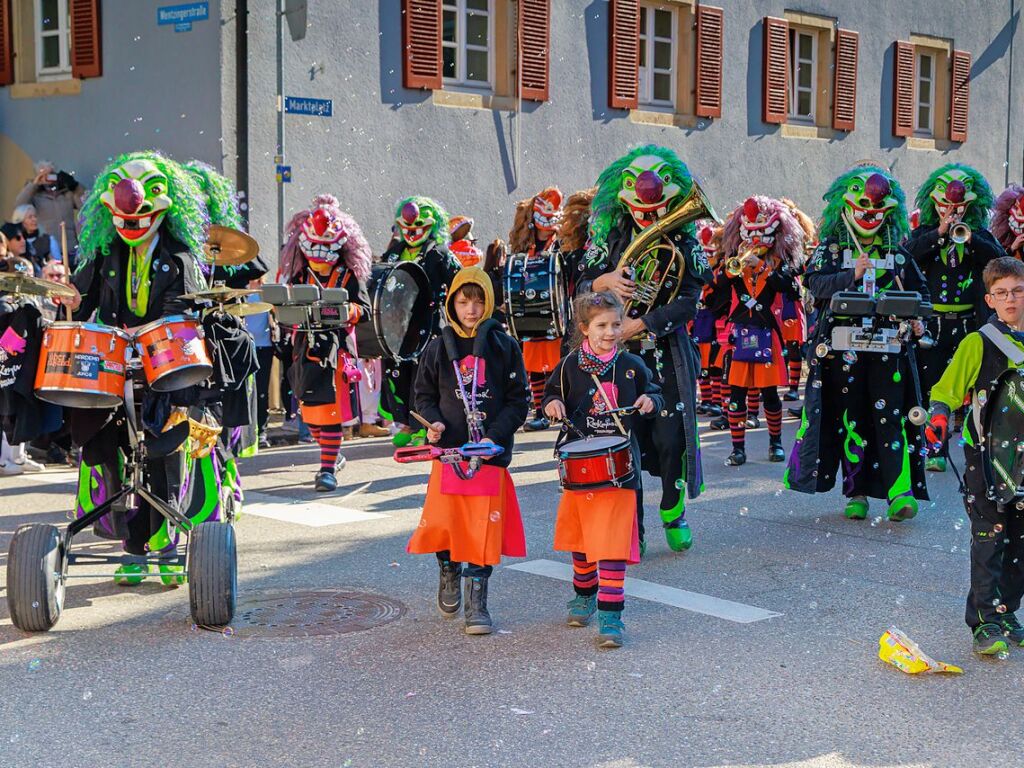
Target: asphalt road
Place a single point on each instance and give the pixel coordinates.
(125, 680)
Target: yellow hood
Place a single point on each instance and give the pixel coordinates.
(476, 276)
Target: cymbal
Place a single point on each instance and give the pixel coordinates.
(227, 247)
(219, 293)
(248, 308)
(19, 282)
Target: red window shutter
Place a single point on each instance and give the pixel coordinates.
(775, 71)
(960, 94)
(6, 44)
(844, 85)
(86, 53)
(421, 43)
(624, 58)
(903, 89)
(710, 27)
(534, 46)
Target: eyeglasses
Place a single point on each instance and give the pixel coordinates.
(1002, 294)
(16, 237)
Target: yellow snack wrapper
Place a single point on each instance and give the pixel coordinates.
(895, 648)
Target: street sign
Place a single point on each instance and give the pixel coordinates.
(295, 105)
(284, 174)
(182, 16)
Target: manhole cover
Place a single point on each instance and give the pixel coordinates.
(312, 613)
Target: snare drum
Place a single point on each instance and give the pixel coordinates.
(595, 462)
(173, 352)
(82, 365)
(536, 296)
(400, 314)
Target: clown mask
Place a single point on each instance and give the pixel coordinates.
(757, 227)
(547, 210)
(321, 239)
(868, 201)
(952, 194)
(649, 189)
(1015, 218)
(137, 199)
(414, 224)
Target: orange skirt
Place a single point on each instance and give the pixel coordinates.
(794, 331)
(599, 524)
(474, 529)
(761, 375)
(337, 412)
(542, 355)
(709, 360)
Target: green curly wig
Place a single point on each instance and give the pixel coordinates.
(219, 192)
(896, 227)
(607, 212)
(977, 212)
(186, 220)
(439, 232)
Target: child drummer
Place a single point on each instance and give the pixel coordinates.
(599, 526)
(471, 385)
(997, 530)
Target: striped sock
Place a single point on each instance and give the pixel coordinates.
(774, 422)
(537, 383)
(314, 432)
(584, 575)
(721, 392)
(738, 418)
(706, 389)
(753, 402)
(611, 595)
(330, 445)
(794, 373)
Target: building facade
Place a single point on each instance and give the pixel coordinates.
(774, 96)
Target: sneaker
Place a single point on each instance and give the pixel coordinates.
(29, 465)
(1013, 630)
(902, 508)
(449, 590)
(791, 397)
(372, 430)
(325, 481)
(856, 508)
(307, 440)
(702, 408)
(340, 462)
(753, 422)
(989, 640)
(610, 629)
(737, 458)
(719, 423)
(935, 464)
(9, 469)
(581, 610)
(537, 425)
(775, 451)
(478, 619)
(264, 442)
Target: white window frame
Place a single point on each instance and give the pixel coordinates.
(924, 130)
(794, 66)
(62, 33)
(645, 91)
(461, 46)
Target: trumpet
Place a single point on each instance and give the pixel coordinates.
(960, 233)
(734, 264)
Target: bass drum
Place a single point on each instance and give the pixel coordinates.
(1004, 437)
(400, 314)
(537, 302)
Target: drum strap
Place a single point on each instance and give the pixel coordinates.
(608, 402)
(1013, 353)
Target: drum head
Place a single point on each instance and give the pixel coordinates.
(593, 445)
(401, 309)
(1004, 436)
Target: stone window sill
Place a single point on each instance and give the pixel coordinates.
(937, 145)
(464, 100)
(69, 87)
(663, 119)
(793, 131)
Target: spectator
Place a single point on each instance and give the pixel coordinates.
(261, 326)
(13, 460)
(54, 272)
(40, 247)
(55, 196)
(15, 239)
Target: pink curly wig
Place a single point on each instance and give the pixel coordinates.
(1001, 214)
(356, 251)
(789, 235)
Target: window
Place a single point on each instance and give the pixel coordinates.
(465, 42)
(803, 56)
(657, 77)
(924, 95)
(52, 39)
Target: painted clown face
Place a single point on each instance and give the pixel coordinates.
(321, 238)
(1015, 219)
(952, 193)
(415, 224)
(869, 200)
(649, 189)
(137, 199)
(547, 210)
(757, 226)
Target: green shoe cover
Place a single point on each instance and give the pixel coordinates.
(902, 508)
(130, 575)
(677, 530)
(172, 575)
(935, 464)
(419, 438)
(401, 439)
(856, 509)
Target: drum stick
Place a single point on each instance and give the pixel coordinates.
(421, 420)
(64, 260)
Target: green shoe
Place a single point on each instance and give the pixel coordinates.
(989, 640)
(856, 508)
(902, 508)
(130, 575)
(401, 438)
(171, 575)
(418, 438)
(935, 464)
(1013, 630)
(677, 530)
(610, 629)
(581, 610)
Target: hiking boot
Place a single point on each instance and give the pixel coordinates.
(935, 464)
(581, 610)
(478, 620)
(372, 430)
(1013, 630)
(325, 481)
(791, 397)
(719, 423)
(775, 451)
(902, 508)
(536, 425)
(449, 590)
(737, 458)
(989, 640)
(677, 530)
(610, 629)
(856, 508)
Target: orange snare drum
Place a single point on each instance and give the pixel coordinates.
(82, 365)
(173, 352)
(595, 462)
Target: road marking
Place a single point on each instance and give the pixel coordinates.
(54, 476)
(659, 593)
(309, 513)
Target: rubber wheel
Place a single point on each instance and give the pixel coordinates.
(212, 573)
(35, 582)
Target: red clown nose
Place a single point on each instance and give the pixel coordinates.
(877, 188)
(705, 235)
(320, 221)
(649, 187)
(751, 209)
(956, 191)
(128, 195)
(410, 212)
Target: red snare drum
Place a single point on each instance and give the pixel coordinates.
(82, 365)
(595, 462)
(174, 355)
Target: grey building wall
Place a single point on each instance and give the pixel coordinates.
(385, 142)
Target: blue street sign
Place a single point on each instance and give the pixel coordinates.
(294, 105)
(179, 15)
(284, 174)
(185, 26)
